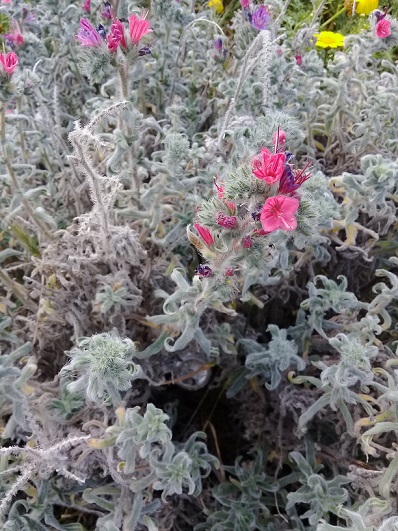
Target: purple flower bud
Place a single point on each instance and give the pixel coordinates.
(256, 214)
(102, 31)
(229, 272)
(228, 222)
(108, 13)
(247, 242)
(204, 271)
(144, 51)
(379, 15)
(218, 44)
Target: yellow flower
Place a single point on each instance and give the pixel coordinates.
(365, 7)
(217, 5)
(329, 39)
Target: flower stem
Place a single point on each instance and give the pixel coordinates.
(14, 179)
(331, 19)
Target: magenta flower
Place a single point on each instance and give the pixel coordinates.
(88, 35)
(205, 234)
(299, 59)
(260, 18)
(14, 38)
(8, 62)
(383, 28)
(247, 242)
(229, 272)
(268, 167)
(245, 4)
(116, 36)
(278, 213)
(228, 222)
(139, 27)
(87, 6)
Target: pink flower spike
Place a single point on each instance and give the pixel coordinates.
(139, 27)
(278, 213)
(8, 62)
(88, 35)
(268, 167)
(205, 234)
(383, 28)
(87, 6)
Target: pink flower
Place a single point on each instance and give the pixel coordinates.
(138, 27)
(8, 62)
(383, 28)
(245, 4)
(87, 6)
(88, 35)
(278, 213)
(205, 234)
(268, 167)
(299, 59)
(116, 36)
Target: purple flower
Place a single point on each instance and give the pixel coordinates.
(102, 31)
(260, 18)
(144, 51)
(204, 271)
(218, 44)
(108, 13)
(380, 15)
(220, 52)
(88, 35)
(256, 214)
(292, 180)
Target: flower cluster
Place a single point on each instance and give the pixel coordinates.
(229, 231)
(383, 25)
(90, 36)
